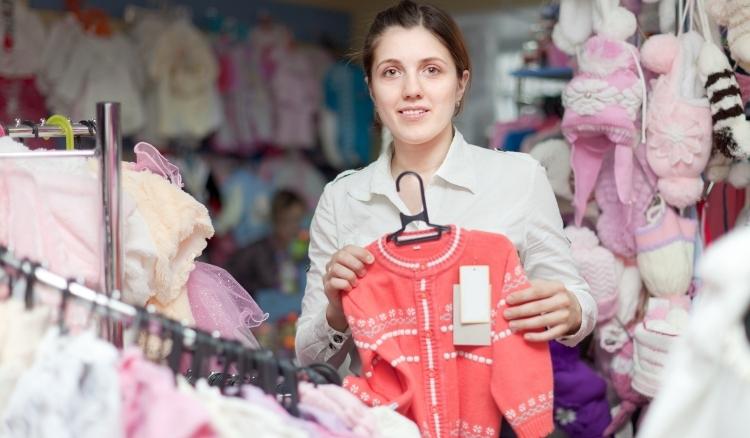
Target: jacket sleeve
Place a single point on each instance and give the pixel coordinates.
(546, 253)
(315, 340)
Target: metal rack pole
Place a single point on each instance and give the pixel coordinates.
(109, 141)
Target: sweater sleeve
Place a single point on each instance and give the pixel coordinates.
(521, 387)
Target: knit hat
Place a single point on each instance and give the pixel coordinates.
(581, 407)
(735, 15)
(554, 156)
(617, 222)
(665, 251)
(597, 266)
(679, 127)
(602, 106)
(731, 130)
(579, 18)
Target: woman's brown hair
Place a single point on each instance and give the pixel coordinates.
(408, 14)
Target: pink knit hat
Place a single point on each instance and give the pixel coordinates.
(679, 118)
(602, 105)
(666, 248)
(597, 266)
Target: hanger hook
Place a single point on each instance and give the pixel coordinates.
(421, 189)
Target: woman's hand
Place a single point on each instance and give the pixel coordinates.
(545, 305)
(344, 269)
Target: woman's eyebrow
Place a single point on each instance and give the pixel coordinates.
(422, 61)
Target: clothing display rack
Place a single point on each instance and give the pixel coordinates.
(240, 364)
(108, 150)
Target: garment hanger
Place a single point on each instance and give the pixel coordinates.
(66, 126)
(289, 387)
(64, 307)
(421, 216)
(30, 279)
(178, 339)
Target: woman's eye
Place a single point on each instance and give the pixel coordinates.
(432, 70)
(390, 72)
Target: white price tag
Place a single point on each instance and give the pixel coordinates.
(475, 294)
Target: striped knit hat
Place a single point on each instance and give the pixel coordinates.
(735, 15)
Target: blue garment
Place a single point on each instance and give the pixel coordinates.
(256, 202)
(347, 96)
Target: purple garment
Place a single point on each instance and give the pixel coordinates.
(581, 407)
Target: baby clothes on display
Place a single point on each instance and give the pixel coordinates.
(247, 207)
(405, 340)
(21, 331)
(80, 69)
(184, 69)
(70, 391)
(179, 226)
(19, 56)
(219, 303)
(297, 97)
(151, 405)
(346, 117)
(50, 211)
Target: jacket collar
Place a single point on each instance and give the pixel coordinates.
(457, 170)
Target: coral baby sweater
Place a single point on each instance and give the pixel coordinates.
(401, 319)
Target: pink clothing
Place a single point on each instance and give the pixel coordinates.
(151, 405)
(50, 211)
(220, 304)
(617, 222)
(679, 122)
(602, 105)
(297, 94)
(20, 99)
(343, 404)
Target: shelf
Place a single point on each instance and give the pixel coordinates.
(554, 73)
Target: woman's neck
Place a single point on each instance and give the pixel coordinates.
(425, 158)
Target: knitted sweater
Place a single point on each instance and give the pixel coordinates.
(401, 319)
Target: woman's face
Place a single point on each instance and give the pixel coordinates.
(414, 84)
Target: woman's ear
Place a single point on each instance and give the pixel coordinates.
(369, 89)
(462, 83)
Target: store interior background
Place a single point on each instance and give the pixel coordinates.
(500, 35)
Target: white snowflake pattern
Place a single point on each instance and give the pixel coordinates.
(490, 432)
(477, 429)
(522, 408)
(365, 397)
(383, 316)
(542, 398)
(565, 416)
(392, 313)
(511, 414)
(410, 311)
(531, 402)
(361, 323)
(350, 319)
(371, 322)
(354, 389)
(449, 307)
(376, 402)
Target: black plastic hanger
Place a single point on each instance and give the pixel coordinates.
(175, 354)
(289, 389)
(28, 297)
(421, 216)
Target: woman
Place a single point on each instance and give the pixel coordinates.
(418, 70)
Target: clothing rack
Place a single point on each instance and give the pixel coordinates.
(108, 149)
(276, 376)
